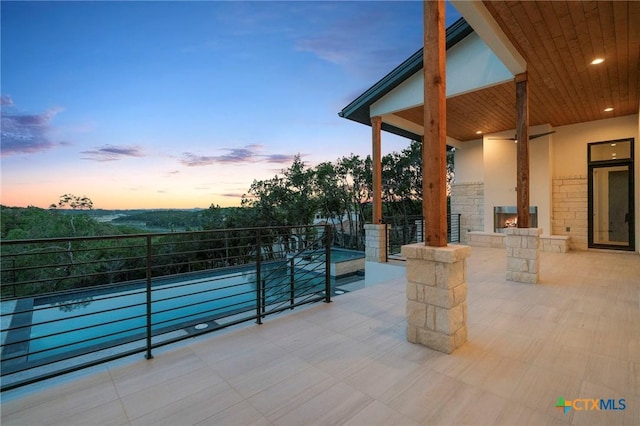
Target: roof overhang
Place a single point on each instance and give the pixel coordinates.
(359, 109)
(554, 41)
(488, 30)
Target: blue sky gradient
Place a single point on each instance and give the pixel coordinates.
(184, 104)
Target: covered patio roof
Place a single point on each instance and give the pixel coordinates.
(558, 40)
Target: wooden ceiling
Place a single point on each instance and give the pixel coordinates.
(558, 40)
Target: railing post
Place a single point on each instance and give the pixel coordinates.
(327, 264)
(263, 299)
(292, 283)
(148, 355)
(258, 278)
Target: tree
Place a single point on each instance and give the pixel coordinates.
(286, 200)
(73, 202)
(356, 179)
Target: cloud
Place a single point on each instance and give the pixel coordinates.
(112, 153)
(279, 158)
(367, 43)
(246, 155)
(25, 133)
(233, 195)
(192, 160)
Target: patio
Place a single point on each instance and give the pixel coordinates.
(574, 335)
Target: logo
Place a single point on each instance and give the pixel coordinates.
(590, 404)
(563, 405)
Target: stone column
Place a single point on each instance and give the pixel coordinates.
(437, 295)
(522, 254)
(375, 242)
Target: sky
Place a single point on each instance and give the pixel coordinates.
(141, 105)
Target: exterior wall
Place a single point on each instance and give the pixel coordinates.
(570, 210)
(468, 200)
(468, 162)
(570, 153)
(570, 142)
(470, 53)
(499, 160)
(500, 171)
(558, 177)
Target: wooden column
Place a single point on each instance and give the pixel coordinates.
(434, 141)
(376, 130)
(522, 136)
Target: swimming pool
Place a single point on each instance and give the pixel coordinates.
(344, 262)
(64, 327)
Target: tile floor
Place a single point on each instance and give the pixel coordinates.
(576, 334)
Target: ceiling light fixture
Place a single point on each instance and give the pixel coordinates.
(608, 109)
(479, 132)
(613, 144)
(597, 61)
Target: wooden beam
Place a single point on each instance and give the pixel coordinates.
(522, 136)
(376, 137)
(434, 142)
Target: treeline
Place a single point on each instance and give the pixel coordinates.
(169, 220)
(17, 223)
(338, 192)
(332, 189)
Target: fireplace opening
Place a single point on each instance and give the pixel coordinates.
(505, 217)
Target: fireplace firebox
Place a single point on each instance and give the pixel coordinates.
(507, 217)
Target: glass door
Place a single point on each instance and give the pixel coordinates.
(610, 186)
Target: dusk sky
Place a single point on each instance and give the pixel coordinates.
(184, 104)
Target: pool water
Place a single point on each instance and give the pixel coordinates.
(105, 318)
(340, 255)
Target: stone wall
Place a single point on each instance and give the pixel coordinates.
(522, 246)
(570, 210)
(485, 239)
(436, 295)
(467, 199)
(375, 243)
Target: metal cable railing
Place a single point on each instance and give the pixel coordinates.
(402, 230)
(72, 303)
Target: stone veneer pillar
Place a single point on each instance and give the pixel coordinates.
(522, 254)
(437, 295)
(375, 248)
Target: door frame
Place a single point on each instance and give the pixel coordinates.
(593, 164)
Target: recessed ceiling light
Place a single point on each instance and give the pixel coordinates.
(597, 61)
(613, 144)
(609, 109)
(479, 132)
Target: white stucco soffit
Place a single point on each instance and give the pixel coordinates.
(402, 123)
(471, 65)
(487, 28)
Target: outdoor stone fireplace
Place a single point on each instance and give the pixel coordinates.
(505, 217)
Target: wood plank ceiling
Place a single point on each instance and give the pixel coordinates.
(558, 40)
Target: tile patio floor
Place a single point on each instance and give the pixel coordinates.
(574, 335)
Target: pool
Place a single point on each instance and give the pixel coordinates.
(344, 263)
(91, 320)
(342, 255)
